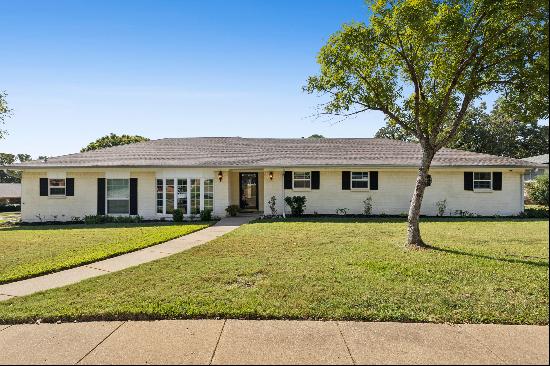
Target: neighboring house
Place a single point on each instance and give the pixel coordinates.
(10, 193)
(540, 160)
(153, 178)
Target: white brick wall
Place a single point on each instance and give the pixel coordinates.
(394, 192)
(392, 197)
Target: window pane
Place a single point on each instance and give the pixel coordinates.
(482, 184)
(208, 194)
(359, 184)
(302, 184)
(118, 206)
(195, 196)
(57, 191)
(57, 182)
(302, 175)
(118, 188)
(182, 195)
(169, 196)
(160, 197)
(482, 176)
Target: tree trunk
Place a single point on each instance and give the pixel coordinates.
(414, 238)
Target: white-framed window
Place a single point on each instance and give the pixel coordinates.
(57, 187)
(186, 194)
(483, 181)
(118, 196)
(208, 194)
(360, 180)
(301, 180)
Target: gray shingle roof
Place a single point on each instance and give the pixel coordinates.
(539, 159)
(261, 152)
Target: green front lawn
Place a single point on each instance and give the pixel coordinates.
(27, 251)
(481, 271)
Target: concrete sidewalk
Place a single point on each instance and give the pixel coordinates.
(74, 275)
(271, 342)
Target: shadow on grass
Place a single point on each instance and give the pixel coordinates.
(482, 256)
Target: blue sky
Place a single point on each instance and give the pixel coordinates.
(77, 70)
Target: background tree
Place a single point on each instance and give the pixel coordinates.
(113, 140)
(537, 190)
(423, 62)
(316, 136)
(496, 133)
(4, 112)
(11, 176)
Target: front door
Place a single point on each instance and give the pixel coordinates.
(248, 191)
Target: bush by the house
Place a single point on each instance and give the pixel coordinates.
(206, 215)
(177, 215)
(105, 219)
(535, 212)
(232, 210)
(297, 204)
(537, 190)
(10, 208)
(272, 203)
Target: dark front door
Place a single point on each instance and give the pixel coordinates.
(248, 191)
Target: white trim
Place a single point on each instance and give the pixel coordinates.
(64, 195)
(116, 199)
(482, 190)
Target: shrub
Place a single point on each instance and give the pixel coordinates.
(206, 215)
(273, 205)
(232, 210)
(297, 204)
(177, 215)
(367, 206)
(535, 212)
(342, 211)
(105, 219)
(441, 207)
(10, 207)
(537, 190)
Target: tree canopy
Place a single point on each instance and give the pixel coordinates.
(4, 112)
(11, 176)
(424, 62)
(496, 133)
(113, 140)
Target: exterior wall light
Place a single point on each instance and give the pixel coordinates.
(270, 175)
(220, 175)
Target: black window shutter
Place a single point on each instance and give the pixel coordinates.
(101, 196)
(133, 196)
(315, 179)
(374, 181)
(497, 181)
(69, 189)
(288, 180)
(468, 181)
(43, 186)
(346, 180)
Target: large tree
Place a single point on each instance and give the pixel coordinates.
(11, 176)
(4, 112)
(423, 62)
(496, 132)
(113, 140)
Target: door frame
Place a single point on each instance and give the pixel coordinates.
(241, 190)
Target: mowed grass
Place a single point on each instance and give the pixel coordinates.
(28, 251)
(481, 271)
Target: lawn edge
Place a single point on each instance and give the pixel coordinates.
(83, 263)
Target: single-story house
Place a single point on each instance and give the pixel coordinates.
(10, 193)
(153, 178)
(541, 160)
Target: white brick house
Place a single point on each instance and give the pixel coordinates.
(153, 178)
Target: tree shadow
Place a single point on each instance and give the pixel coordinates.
(482, 256)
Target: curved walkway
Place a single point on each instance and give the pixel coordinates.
(77, 274)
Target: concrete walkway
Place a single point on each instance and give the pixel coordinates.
(74, 275)
(271, 342)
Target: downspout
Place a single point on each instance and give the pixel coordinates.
(283, 188)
